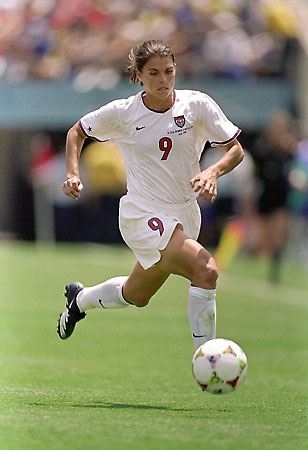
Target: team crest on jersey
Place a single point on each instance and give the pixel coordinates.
(179, 121)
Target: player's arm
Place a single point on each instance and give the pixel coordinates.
(205, 182)
(74, 142)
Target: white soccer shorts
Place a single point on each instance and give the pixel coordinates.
(147, 226)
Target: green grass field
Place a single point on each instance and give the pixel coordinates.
(123, 380)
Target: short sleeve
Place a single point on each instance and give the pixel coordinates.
(219, 129)
(102, 123)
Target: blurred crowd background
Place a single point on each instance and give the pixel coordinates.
(70, 48)
(60, 39)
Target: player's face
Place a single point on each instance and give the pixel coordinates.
(158, 77)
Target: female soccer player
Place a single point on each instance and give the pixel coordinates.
(161, 132)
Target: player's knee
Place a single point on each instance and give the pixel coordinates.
(206, 275)
(212, 274)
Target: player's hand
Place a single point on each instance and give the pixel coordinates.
(72, 187)
(205, 185)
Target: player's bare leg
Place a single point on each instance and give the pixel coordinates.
(117, 292)
(182, 256)
(186, 257)
(142, 284)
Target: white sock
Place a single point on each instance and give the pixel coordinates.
(202, 314)
(104, 295)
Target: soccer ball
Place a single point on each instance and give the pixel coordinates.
(219, 366)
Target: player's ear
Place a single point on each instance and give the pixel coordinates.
(139, 77)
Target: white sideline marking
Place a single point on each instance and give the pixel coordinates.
(263, 290)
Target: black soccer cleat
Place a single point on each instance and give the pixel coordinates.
(71, 315)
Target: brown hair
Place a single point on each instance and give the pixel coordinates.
(142, 53)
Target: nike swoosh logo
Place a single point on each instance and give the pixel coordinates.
(101, 303)
(139, 128)
(199, 336)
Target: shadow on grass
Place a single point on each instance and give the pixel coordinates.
(140, 407)
(130, 406)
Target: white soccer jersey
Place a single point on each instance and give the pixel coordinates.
(161, 150)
